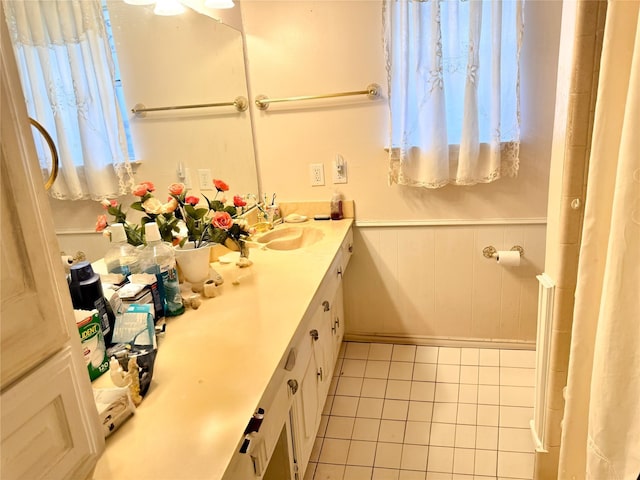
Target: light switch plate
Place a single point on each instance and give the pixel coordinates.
(205, 182)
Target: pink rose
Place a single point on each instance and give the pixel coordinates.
(220, 185)
(150, 186)
(191, 200)
(140, 190)
(106, 203)
(101, 223)
(238, 201)
(176, 188)
(222, 220)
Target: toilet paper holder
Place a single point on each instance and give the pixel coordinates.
(491, 252)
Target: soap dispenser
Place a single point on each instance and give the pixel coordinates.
(336, 206)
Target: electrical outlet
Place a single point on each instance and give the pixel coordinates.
(205, 182)
(339, 170)
(317, 174)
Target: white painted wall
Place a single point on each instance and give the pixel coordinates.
(315, 47)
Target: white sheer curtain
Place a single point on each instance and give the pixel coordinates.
(453, 90)
(67, 76)
(601, 426)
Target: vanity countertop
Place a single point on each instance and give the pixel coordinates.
(214, 364)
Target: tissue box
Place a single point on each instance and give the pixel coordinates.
(114, 407)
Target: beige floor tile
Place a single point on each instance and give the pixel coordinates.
(366, 429)
(426, 354)
(334, 451)
(340, 427)
(449, 355)
(361, 453)
(395, 409)
(420, 411)
(401, 371)
(414, 457)
(417, 433)
(380, 351)
(404, 353)
(391, 431)
(388, 455)
(440, 459)
(374, 387)
(344, 406)
(325, 471)
(353, 472)
(370, 407)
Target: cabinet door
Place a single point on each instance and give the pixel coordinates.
(50, 426)
(305, 414)
(337, 322)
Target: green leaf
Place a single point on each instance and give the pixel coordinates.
(218, 235)
(231, 210)
(115, 211)
(137, 206)
(216, 205)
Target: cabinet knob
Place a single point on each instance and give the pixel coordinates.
(293, 386)
(326, 306)
(321, 374)
(350, 248)
(340, 272)
(314, 334)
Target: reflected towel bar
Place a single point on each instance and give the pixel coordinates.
(372, 91)
(241, 104)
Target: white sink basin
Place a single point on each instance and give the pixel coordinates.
(290, 238)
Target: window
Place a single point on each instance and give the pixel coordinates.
(453, 90)
(67, 73)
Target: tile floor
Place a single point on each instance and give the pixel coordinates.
(405, 412)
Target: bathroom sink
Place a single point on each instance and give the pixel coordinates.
(290, 238)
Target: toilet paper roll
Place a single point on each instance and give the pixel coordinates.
(509, 258)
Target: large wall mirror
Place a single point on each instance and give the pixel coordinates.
(186, 59)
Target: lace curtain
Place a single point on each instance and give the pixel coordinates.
(66, 69)
(453, 78)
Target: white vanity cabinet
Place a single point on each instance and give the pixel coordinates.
(306, 371)
(323, 342)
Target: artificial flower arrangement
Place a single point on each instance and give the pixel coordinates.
(180, 219)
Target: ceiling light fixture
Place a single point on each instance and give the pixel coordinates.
(168, 7)
(219, 4)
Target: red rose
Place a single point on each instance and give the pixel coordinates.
(101, 223)
(106, 203)
(238, 201)
(191, 200)
(176, 188)
(222, 220)
(220, 185)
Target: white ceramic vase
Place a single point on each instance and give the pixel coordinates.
(194, 264)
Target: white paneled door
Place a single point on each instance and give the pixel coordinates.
(49, 423)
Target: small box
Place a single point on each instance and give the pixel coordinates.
(92, 340)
